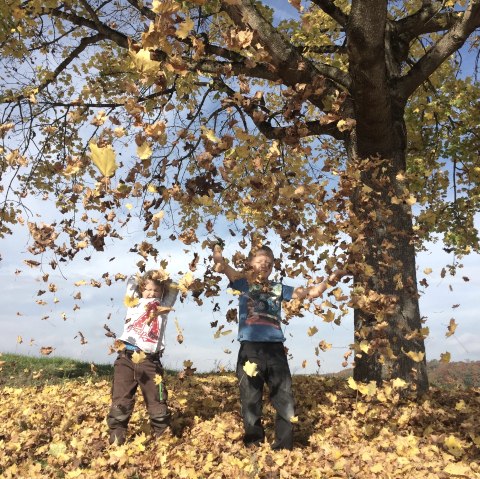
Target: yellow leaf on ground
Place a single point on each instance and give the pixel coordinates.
(457, 469)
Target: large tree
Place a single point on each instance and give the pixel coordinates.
(295, 126)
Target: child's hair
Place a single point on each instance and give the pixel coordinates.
(151, 276)
(261, 249)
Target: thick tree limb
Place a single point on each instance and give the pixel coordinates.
(451, 42)
(425, 21)
(329, 7)
(291, 66)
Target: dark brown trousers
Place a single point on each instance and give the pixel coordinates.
(127, 376)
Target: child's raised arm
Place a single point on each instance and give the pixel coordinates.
(316, 291)
(221, 266)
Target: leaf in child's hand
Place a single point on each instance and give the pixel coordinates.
(138, 357)
(130, 301)
(250, 369)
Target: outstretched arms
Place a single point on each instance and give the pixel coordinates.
(316, 291)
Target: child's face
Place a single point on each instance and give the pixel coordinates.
(152, 290)
(262, 265)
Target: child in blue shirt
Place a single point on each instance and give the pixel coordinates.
(261, 342)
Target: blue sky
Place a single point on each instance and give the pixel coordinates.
(444, 299)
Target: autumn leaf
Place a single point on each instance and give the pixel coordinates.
(143, 63)
(312, 330)
(451, 328)
(103, 158)
(184, 28)
(46, 350)
(454, 446)
(416, 356)
(185, 282)
(138, 357)
(445, 357)
(144, 151)
(250, 368)
(130, 301)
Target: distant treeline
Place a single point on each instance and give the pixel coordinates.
(462, 374)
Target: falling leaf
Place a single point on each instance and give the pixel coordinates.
(46, 350)
(312, 330)
(144, 151)
(294, 419)
(185, 282)
(445, 357)
(250, 368)
(138, 357)
(416, 356)
(104, 159)
(158, 379)
(130, 301)
(451, 328)
(427, 270)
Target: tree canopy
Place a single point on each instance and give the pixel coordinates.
(348, 129)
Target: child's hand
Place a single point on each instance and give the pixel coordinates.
(217, 254)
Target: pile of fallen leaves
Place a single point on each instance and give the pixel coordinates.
(343, 430)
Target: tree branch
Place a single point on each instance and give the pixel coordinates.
(332, 10)
(289, 63)
(426, 20)
(117, 37)
(290, 134)
(84, 43)
(446, 46)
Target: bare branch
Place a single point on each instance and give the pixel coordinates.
(329, 7)
(117, 37)
(84, 43)
(446, 46)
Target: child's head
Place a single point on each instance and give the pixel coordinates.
(260, 261)
(150, 286)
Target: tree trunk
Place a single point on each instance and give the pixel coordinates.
(388, 328)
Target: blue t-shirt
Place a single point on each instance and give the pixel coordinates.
(260, 309)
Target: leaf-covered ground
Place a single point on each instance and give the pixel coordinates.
(59, 431)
